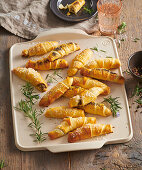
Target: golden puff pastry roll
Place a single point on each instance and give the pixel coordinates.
(88, 131)
(73, 91)
(97, 109)
(63, 111)
(87, 83)
(31, 76)
(56, 92)
(76, 6)
(70, 124)
(102, 74)
(63, 50)
(107, 63)
(85, 97)
(44, 64)
(40, 49)
(79, 61)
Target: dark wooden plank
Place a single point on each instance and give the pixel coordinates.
(16, 159)
(129, 155)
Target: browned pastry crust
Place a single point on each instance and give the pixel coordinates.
(76, 6)
(56, 92)
(31, 76)
(85, 97)
(63, 50)
(79, 61)
(70, 124)
(97, 109)
(40, 49)
(107, 63)
(89, 131)
(87, 83)
(44, 64)
(73, 91)
(102, 74)
(63, 111)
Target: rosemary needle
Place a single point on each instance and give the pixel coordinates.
(2, 164)
(114, 105)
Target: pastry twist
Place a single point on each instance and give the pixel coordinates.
(56, 92)
(73, 91)
(97, 109)
(31, 76)
(63, 111)
(76, 6)
(79, 61)
(44, 64)
(102, 74)
(63, 50)
(40, 49)
(107, 63)
(69, 124)
(89, 131)
(85, 97)
(87, 83)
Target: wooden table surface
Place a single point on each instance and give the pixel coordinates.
(126, 156)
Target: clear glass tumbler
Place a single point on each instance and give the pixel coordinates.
(109, 15)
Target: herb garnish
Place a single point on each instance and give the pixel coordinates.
(108, 57)
(2, 164)
(138, 92)
(136, 39)
(114, 105)
(88, 10)
(95, 49)
(26, 106)
(52, 78)
(103, 51)
(121, 28)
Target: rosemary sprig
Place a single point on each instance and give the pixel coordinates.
(103, 51)
(138, 92)
(28, 92)
(114, 105)
(51, 78)
(95, 49)
(108, 57)
(26, 106)
(136, 39)
(2, 164)
(88, 10)
(121, 28)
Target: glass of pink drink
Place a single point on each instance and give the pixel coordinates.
(109, 15)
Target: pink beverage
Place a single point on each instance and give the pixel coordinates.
(108, 14)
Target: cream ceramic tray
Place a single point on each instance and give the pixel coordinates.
(123, 128)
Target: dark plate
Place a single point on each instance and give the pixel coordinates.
(81, 15)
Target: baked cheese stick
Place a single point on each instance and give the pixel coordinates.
(56, 92)
(87, 83)
(70, 124)
(97, 109)
(76, 6)
(31, 76)
(40, 49)
(63, 50)
(107, 63)
(73, 91)
(44, 64)
(89, 131)
(79, 61)
(85, 97)
(63, 111)
(102, 74)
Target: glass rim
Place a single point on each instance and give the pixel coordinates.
(112, 12)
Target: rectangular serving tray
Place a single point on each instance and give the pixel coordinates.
(122, 125)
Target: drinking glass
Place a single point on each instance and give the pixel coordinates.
(109, 15)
